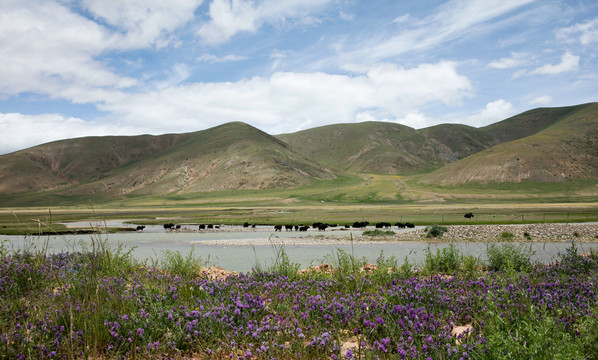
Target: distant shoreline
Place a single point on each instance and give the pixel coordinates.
(460, 233)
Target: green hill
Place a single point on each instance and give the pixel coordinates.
(565, 148)
(541, 145)
(369, 147)
(230, 156)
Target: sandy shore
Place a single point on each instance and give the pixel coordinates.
(478, 233)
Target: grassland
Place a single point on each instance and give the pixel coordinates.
(102, 304)
(343, 200)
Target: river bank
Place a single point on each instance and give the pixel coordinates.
(460, 233)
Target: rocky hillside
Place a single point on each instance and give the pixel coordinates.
(565, 149)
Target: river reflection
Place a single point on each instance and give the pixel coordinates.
(151, 245)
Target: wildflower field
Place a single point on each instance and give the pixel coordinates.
(103, 304)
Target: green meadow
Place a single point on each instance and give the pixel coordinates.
(343, 200)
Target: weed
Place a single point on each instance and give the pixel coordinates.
(378, 232)
(508, 256)
(471, 266)
(177, 264)
(507, 236)
(444, 261)
(282, 265)
(435, 231)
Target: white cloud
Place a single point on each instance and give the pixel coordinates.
(401, 19)
(21, 131)
(515, 60)
(453, 19)
(585, 33)
(47, 49)
(417, 120)
(346, 17)
(540, 100)
(144, 22)
(280, 102)
(178, 74)
(229, 17)
(569, 62)
(494, 111)
(212, 59)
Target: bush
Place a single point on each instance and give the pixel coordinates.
(509, 257)
(378, 232)
(435, 231)
(507, 236)
(185, 266)
(471, 266)
(283, 265)
(444, 261)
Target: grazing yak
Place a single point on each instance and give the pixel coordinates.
(400, 225)
(202, 227)
(245, 224)
(168, 226)
(381, 225)
(469, 215)
(288, 227)
(409, 225)
(360, 224)
(140, 227)
(320, 226)
(277, 227)
(303, 228)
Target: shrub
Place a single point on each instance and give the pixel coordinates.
(471, 266)
(444, 261)
(507, 236)
(378, 232)
(573, 261)
(385, 263)
(282, 264)
(435, 231)
(185, 266)
(509, 257)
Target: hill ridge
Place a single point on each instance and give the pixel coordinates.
(236, 155)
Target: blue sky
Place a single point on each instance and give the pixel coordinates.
(124, 67)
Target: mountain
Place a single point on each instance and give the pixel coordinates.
(389, 148)
(71, 162)
(555, 145)
(542, 145)
(229, 156)
(368, 147)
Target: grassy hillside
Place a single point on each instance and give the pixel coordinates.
(369, 147)
(456, 141)
(382, 159)
(70, 162)
(566, 149)
(230, 156)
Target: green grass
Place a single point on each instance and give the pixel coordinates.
(101, 303)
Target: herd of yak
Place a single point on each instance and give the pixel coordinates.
(317, 225)
(358, 224)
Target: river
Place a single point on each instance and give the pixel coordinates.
(238, 249)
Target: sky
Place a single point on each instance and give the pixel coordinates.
(129, 67)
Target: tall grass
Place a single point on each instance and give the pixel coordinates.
(101, 303)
